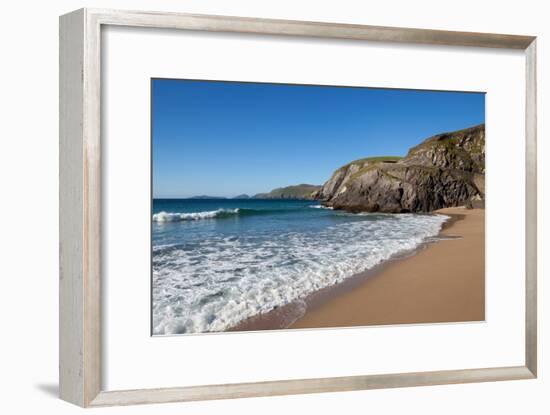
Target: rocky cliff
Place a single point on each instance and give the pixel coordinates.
(442, 171)
(300, 191)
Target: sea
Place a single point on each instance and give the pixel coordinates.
(217, 262)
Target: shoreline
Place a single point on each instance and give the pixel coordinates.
(442, 280)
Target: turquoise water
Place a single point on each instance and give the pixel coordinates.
(217, 262)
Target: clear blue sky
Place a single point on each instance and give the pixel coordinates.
(228, 138)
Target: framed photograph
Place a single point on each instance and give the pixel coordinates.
(253, 207)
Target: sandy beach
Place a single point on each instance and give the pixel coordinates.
(442, 282)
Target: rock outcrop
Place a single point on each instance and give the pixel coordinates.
(300, 191)
(443, 171)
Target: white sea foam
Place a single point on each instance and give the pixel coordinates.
(177, 217)
(224, 280)
(321, 207)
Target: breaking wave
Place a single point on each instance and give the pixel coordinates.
(222, 213)
(178, 217)
(212, 283)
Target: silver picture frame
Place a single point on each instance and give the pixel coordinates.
(80, 206)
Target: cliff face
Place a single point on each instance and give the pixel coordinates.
(301, 191)
(340, 177)
(443, 171)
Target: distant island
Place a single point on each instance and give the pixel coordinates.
(207, 197)
(300, 191)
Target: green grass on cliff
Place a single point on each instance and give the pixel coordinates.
(373, 161)
(380, 159)
(428, 170)
(450, 139)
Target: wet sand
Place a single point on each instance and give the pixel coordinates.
(442, 281)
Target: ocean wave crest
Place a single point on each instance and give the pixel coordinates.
(219, 213)
(179, 217)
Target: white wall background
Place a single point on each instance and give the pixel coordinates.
(29, 173)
